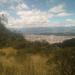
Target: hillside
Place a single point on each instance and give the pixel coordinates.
(21, 57)
(8, 38)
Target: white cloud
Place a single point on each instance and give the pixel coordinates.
(3, 1)
(70, 22)
(35, 17)
(29, 17)
(22, 6)
(57, 9)
(63, 14)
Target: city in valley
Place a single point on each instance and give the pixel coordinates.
(49, 38)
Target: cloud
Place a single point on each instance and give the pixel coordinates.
(35, 17)
(3, 1)
(57, 9)
(63, 14)
(70, 22)
(22, 6)
(28, 17)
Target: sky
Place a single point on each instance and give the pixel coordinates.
(38, 13)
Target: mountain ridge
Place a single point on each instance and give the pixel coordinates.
(47, 30)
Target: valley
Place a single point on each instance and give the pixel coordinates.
(49, 38)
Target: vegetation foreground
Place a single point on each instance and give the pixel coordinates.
(21, 57)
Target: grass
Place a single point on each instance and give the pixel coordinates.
(59, 61)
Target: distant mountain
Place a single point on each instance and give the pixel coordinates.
(47, 30)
